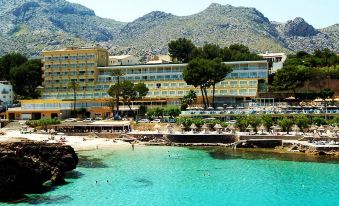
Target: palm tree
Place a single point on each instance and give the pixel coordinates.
(118, 73)
(74, 86)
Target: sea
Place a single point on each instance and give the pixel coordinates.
(179, 176)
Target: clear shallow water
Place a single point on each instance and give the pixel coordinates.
(181, 176)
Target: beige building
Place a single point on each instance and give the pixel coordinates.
(159, 59)
(123, 60)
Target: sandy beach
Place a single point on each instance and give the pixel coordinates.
(79, 143)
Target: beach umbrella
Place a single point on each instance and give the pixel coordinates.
(231, 127)
(205, 128)
(182, 127)
(312, 128)
(220, 108)
(249, 127)
(321, 128)
(193, 127)
(296, 129)
(218, 127)
(290, 98)
(316, 135)
(262, 128)
(278, 128)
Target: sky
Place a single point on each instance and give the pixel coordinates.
(319, 13)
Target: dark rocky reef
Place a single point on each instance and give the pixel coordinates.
(26, 166)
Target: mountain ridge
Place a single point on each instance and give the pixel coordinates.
(29, 26)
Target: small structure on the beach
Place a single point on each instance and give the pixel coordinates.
(205, 128)
(218, 127)
(96, 127)
(193, 127)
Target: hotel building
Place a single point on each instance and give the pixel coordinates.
(89, 67)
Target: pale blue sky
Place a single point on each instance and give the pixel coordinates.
(319, 13)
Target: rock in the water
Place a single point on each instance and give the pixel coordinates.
(26, 166)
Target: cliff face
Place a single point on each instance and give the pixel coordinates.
(25, 166)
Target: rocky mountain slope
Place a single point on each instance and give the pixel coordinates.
(29, 26)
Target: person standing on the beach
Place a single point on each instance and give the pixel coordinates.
(133, 146)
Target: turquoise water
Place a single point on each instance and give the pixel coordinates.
(182, 176)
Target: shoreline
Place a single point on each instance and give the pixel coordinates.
(94, 142)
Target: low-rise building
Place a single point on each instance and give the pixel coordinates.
(160, 59)
(123, 60)
(276, 60)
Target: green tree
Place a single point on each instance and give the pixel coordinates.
(131, 92)
(8, 62)
(242, 123)
(319, 121)
(217, 73)
(212, 51)
(289, 78)
(285, 124)
(155, 112)
(26, 78)
(117, 74)
(74, 86)
(326, 93)
(181, 49)
(301, 121)
(267, 120)
(141, 89)
(188, 99)
(196, 74)
(255, 122)
(172, 111)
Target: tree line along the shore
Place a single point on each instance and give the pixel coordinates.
(255, 121)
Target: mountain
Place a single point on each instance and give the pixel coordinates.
(29, 26)
(37, 24)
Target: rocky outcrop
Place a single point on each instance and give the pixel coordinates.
(26, 166)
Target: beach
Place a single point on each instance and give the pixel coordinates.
(79, 143)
